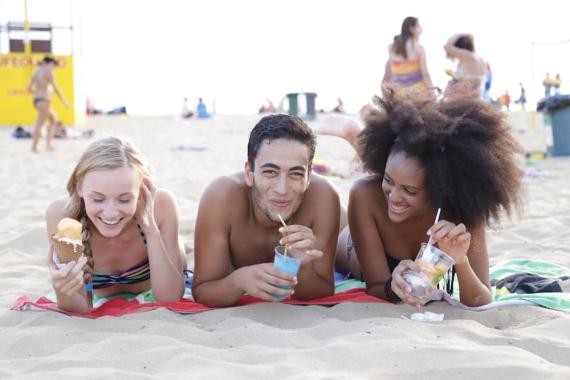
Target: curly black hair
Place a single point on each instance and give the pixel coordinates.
(280, 126)
(464, 145)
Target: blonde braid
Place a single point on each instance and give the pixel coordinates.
(87, 252)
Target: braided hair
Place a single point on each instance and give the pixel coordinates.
(103, 154)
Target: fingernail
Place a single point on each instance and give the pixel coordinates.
(281, 241)
(280, 229)
(428, 233)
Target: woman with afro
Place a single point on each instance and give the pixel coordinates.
(424, 154)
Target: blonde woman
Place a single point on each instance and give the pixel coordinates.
(130, 230)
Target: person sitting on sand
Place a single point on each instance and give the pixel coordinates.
(186, 113)
(238, 223)
(267, 107)
(201, 110)
(339, 108)
(456, 155)
(63, 132)
(130, 230)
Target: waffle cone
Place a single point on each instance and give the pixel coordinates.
(66, 251)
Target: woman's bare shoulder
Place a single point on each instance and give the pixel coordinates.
(367, 185)
(54, 213)
(57, 208)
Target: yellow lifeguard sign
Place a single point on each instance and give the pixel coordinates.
(29, 43)
(16, 103)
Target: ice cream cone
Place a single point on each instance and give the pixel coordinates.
(66, 251)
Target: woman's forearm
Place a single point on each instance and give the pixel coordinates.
(79, 302)
(167, 279)
(472, 291)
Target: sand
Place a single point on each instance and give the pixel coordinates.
(264, 340)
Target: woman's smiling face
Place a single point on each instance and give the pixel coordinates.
(404, 187)
(111, 198)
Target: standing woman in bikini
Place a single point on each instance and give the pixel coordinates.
(41, 84)
(130, 230)
(470, 76)
(406, 65)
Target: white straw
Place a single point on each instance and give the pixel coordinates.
(437, 216)
(434, 223)
(284, 225)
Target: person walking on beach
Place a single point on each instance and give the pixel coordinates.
(239, 221)
(41, 84)
(129, 230)
(414, 148)
(406, 65)
(522, 97)
(470, 75)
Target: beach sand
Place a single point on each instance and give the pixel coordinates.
(263, 340)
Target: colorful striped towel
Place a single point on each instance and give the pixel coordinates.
(345, 291)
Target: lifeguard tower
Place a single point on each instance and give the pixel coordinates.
(23, 45)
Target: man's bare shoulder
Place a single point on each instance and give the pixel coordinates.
(226, 188)
(321, 192)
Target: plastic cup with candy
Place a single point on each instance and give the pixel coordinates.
(434, 263)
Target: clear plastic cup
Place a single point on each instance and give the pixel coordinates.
(287, 264)
(434, 263)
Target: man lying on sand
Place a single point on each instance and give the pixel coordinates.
(239, 221)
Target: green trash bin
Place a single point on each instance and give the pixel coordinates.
(558, 119)
(311, 111)
(293, 103)
(561, 132)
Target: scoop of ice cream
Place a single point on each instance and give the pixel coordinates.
(69, 229)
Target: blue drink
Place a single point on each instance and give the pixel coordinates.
(286, 264)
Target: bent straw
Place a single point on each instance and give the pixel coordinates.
(284, 225)
(429, 244)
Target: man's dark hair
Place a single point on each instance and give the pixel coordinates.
(465, 42)
(280, 126)
(464, 145)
